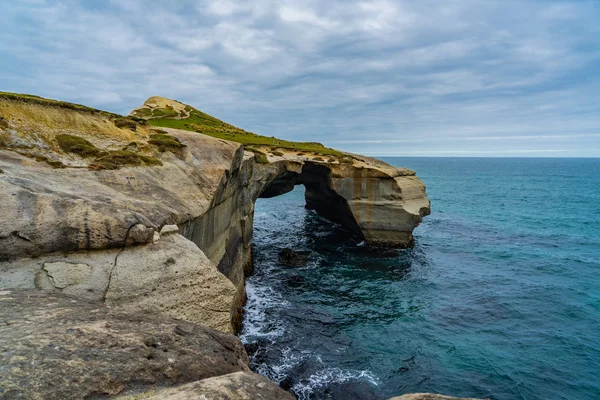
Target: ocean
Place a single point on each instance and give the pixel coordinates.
(499, 298)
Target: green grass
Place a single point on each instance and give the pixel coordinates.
(166, 142)
(203, 123)
(77, 145)
(116, 159)
(346, 160)
(103, 159)
(126, 123)
(49, 161)
(259, 156)
(196, 122)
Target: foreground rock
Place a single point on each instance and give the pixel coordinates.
(171, 276)
(293, 258)
(56, 347)
(236, 386)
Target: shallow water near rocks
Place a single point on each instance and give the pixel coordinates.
(500, 297)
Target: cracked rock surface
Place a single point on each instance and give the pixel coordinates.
(236, 386)
(54, 346)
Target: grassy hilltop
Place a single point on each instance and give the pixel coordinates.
(65, 135)
(166, 113)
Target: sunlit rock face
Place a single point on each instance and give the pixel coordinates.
(379, 202)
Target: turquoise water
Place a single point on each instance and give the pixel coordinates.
(500, 297)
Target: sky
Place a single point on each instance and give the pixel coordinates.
(381, 77)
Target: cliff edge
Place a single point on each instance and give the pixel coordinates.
(152, 213)
(86, 195)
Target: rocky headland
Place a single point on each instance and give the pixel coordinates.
(129, 238)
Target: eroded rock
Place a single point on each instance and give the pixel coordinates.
(173, 277)
(293, 258)
(165, 230)
(57, 347)
(236, 386)
(139, 234)
(62, 274)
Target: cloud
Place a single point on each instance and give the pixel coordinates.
(382, 76)
(295, 15)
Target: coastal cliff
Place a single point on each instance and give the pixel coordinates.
(154, 219)
(82, 229)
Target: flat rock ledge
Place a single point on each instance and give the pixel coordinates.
(53, 346)
(239, 385)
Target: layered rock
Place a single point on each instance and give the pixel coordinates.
(379, 202)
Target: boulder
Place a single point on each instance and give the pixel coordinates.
(235, 386)
(293, 258)
(165, 230)
(54, 346)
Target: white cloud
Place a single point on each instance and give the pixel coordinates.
(222, 7)
(396, 72)
(291, 14)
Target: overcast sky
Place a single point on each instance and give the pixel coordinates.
(422, 78)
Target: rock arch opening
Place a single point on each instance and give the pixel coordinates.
(319, 194)
(379, 203)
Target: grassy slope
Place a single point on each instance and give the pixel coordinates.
(197, 122)
(53, 131)
(37, 118)
(31, 99)
(211, 126)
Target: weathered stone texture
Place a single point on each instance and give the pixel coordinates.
(236, 386)
(57, 347)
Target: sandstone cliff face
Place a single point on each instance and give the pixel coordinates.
(96, 234)
(170, 237)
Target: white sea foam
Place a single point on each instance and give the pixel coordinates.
(257, 322)
(328, 376)
(287, 362)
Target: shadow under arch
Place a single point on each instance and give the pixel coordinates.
(319, 194)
